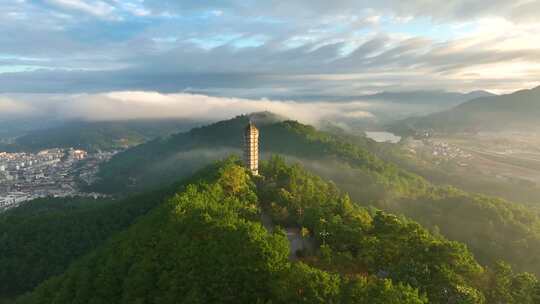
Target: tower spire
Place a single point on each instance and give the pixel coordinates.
(251, 148)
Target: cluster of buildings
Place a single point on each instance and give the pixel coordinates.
(61, 172)
(445, 151)
(53, 172)
(439, 151)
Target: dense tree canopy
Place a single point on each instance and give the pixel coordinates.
(45, 236)
(361, 251)
(42, 237)
(185, 153)
(207, 244)
(360, 242)
(513, 231)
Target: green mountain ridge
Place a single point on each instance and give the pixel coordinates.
(139, 168)
(493, 229)
(206, 244)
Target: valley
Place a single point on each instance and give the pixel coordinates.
(502, 164)
(269, 152)
(48, 173)
(144, 175)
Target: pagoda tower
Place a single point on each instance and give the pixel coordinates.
(251, 148)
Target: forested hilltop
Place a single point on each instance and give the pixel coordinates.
(493, 229)
(165, 159)
(41, 238)
(207, 244)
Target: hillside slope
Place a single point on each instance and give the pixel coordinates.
(514, 232)
(518, 111)
(207, 245)
(41, 238)
(166, 159)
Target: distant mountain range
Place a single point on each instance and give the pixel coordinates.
(518, 111)
(407, 97)
(388, 106)
(14, 127)
(99, 135)
(392, 106)
(442, 98)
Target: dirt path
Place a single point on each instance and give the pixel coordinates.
(295, 242)
(293, 235)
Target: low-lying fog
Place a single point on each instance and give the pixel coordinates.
(127, 105)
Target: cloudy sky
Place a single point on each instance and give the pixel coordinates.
(266, 49)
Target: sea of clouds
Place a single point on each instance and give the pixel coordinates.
(127, 105)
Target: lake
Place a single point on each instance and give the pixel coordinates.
(382, 136)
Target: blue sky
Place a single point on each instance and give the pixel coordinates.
(259, 49)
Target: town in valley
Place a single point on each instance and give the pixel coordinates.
(48, 173)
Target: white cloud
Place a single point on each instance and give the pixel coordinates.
(124, 105)
(10, 108)
(96, 8)
(349, 47)
(359, 114)
(148, 105)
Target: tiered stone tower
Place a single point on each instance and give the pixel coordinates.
(251, 148)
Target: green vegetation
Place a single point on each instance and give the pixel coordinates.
(42, 237)
(513, 232)
(357, 242)
(206, 244)
(164, 160)
(365, 241)
(493, 229)
(470, 179)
